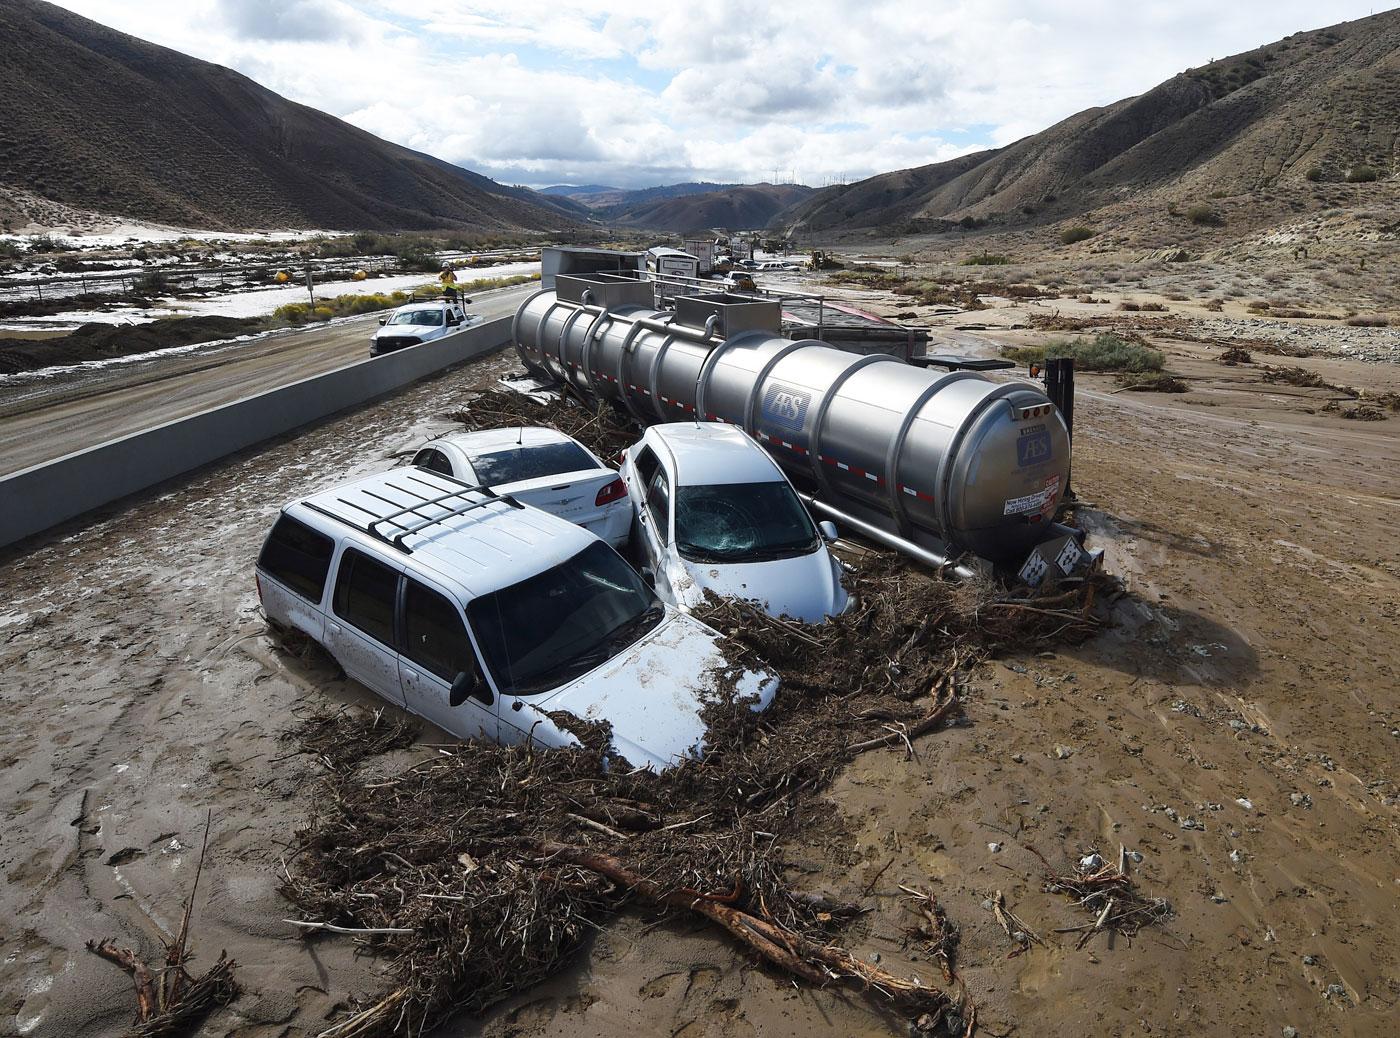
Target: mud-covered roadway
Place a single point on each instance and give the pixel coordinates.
(1239, 730)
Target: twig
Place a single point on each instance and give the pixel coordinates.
(332, 928)
(596, 825)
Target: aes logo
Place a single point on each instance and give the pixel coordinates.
(1033, 449)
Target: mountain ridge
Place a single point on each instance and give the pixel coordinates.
(94, 118)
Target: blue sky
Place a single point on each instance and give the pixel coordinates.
(639, 93)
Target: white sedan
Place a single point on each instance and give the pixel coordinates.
(713, 511)
(540, 467)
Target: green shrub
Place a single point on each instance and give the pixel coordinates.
(152, 283)
(1362, 174)
(1314, 174)
(986, 259)
(1104, 352)
(1205, 216)
(1078, 233)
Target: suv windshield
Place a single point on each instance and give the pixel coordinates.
(742, 522)
(515, 464)
(559, 624)
(428, 317)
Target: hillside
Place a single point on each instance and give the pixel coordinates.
(601, 198)
(1314, 108)
(744, 207)
(96, 119)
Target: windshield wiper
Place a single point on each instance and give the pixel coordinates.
(628, 628)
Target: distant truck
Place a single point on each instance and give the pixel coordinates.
(672, 263)
(703, 249)
(419, 322)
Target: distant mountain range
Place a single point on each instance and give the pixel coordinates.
(100, 120)
(1313, 108)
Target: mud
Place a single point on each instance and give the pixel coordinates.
(94, 342)
(1238, 729)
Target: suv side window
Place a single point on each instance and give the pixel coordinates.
(365, 593)
(659, 505)
(646, 465)
(433, 461)
(298, 556)
(435, 637)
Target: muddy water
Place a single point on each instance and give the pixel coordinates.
(1256, 659)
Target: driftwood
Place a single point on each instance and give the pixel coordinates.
(818, 964)
(168, 1000)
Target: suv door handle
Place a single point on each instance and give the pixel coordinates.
(333, 628)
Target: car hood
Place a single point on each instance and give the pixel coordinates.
(408, 329)
(806, 588)
(652, 692)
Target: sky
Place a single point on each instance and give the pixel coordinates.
(634, 93)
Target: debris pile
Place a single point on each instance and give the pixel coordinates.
(1104, 890)
(480, 869)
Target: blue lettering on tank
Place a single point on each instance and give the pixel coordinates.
(1033, 449)
(785, 406)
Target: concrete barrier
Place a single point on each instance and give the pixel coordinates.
(36, 498)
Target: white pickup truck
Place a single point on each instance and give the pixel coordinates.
(419, 322)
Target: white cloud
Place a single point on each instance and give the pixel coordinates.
(634, 93)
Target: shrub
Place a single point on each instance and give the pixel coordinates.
(43, 243)
(1362, 174)
(1369, 321)
(1070, 235)
(151, 283)
(1205, 216)
(1314, 174)
(986, 259)
(1104, 352)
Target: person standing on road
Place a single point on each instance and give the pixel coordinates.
(449, 284)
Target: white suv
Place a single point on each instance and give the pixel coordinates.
(481, 614)
(714, 511)
(414, 323)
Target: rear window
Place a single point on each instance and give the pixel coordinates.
(516, 464)
(365, 590)
(297, 556)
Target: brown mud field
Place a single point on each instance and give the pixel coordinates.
(1233, 736)
(98, 342)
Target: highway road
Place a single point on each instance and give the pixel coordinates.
(44, 421)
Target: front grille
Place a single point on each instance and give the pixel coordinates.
(389, 343)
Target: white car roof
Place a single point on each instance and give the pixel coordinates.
(509, 436)
(710, 453)
(480, 551)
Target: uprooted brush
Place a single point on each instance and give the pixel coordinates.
(480, 869)
(169, 1001)
(1104, 889)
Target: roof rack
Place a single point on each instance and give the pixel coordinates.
(406, 529)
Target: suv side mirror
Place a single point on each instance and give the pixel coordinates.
(649, 575)
(383, 321)
(828, 530)
(470, 686)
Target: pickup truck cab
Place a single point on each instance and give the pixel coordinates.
(714, 511)
(482, 614)
(418, 322)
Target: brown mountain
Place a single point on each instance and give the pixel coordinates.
(1314, 107)
(740, 208)
(96, 119)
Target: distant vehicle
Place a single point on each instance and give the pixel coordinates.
(540, 467)
(418, 322)
(713, 511)
(780, 265)
(740, 281)
(482, 614)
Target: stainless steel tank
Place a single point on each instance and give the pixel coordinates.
(952, 462)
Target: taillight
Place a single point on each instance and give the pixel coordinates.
(612, 492)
